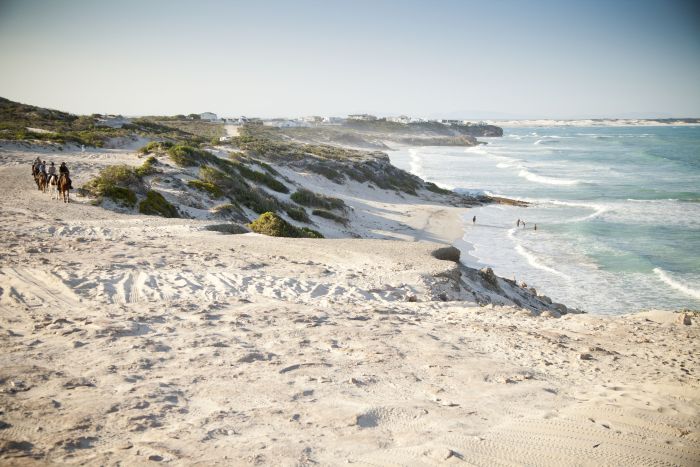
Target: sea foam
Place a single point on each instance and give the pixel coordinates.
(526, 174)
(665, 278)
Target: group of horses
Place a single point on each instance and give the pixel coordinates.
(57, 186)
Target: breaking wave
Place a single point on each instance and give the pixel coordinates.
(526, 174)
(665, 278)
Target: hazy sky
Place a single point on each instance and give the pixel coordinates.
(471, 59)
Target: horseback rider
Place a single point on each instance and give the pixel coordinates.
(42, 167)
(35, 166)
(52, 172)
(63, 170)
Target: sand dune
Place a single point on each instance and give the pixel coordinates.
(132, 339)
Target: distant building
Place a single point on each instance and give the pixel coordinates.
(285, 123)
(208, 116)
(362, 117)
(333, 120)
(400, 119)
(312, 119)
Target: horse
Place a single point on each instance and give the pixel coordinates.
(64, 187)
(41, 181)
(53, 186)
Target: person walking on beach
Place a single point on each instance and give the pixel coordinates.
(474, 220)
(518, 222)
(535, 226)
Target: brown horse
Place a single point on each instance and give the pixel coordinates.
(64, 187)
(41, 181)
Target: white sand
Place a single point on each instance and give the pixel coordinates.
(132, 339)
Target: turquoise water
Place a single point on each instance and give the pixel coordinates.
(617, 211)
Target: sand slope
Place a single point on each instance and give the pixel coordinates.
(132, 339)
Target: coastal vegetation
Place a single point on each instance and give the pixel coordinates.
(213, 190)
(314, 200)
(188, 156)
(332, 162)
(273, 225)
(27, 123)
(156, 205)
(329, 215)
(121, 183)
(156, 147)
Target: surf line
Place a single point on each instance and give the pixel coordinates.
(666, 279)
(531, 259)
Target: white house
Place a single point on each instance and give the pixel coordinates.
(285, 123)
(333, 120)
(400, 119)
(363, 117)
(208, 116)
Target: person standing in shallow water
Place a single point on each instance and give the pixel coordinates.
(474, 220)
(518, 224)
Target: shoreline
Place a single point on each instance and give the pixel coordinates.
(131, 339)
(526, 258)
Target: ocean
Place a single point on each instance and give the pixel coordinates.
(617, 211)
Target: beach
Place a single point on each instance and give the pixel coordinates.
(616, 209)
(132, 339)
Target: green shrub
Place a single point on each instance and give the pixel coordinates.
(154, 146)
(268, 167)
(155, 204)
(188, 156)
(229, 211)
(329, 215)
(328, 172)
(120, 195)
(257, 200)
(314, 200)
(147, 168)
(298, 214)
(213, 190)
(112, 176)
(229, 229)
(436, 189)
(262, 177)
(271, 224)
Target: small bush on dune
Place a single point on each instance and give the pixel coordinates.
(155, 204)
(314, 200)
(147, 168)
(229, 211)
(213, 190)
(329, 215)
(257, 200)
(298, 214)
(234, 186)
(120, 195)
(273, 225)
(230, 229)
(187, 156)
(111, 177)
(436, 189)
(154, 146)
(262, 177)
(328, 172)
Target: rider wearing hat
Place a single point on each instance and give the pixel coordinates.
(51, 171)
(63, 170)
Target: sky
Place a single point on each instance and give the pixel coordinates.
(439, 58)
